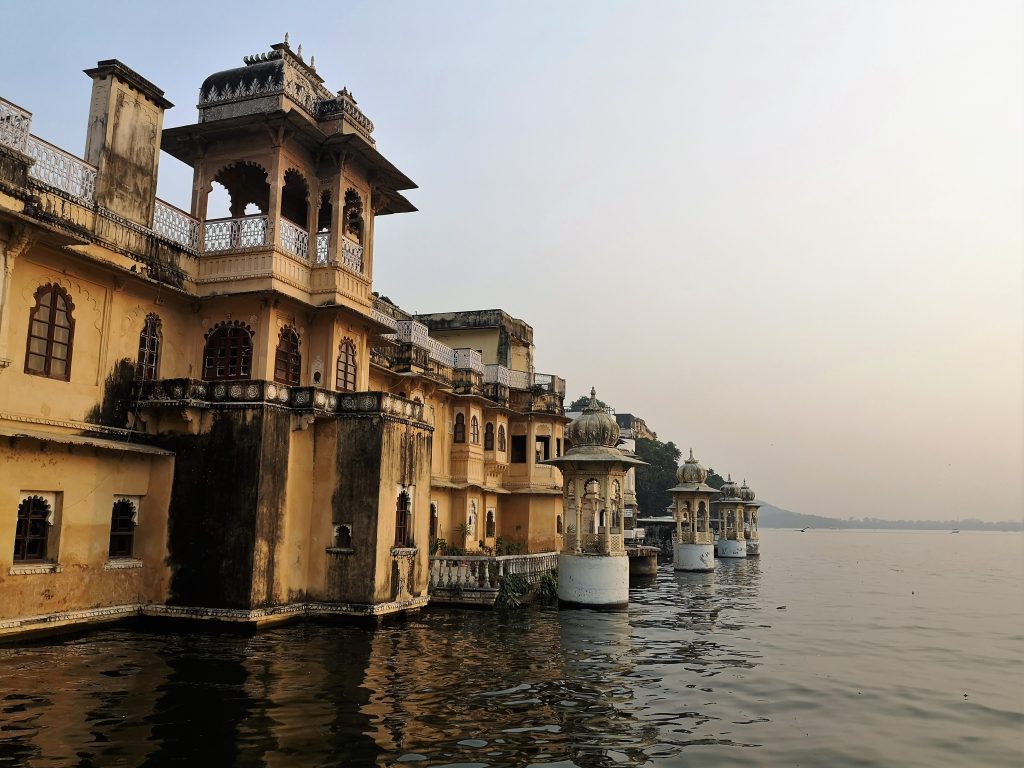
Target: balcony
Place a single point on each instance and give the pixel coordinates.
(476, 580)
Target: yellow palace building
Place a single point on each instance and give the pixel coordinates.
(214, 416)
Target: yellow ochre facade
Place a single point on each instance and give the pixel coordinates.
(208, 416)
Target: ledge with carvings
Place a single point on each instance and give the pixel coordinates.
(315, 401)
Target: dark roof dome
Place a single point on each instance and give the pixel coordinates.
(255, 79)
(730, 490)
(594, 426)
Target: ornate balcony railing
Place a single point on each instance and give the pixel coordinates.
(462, 574)
(469, 359)
(499, 374)
(294, 239)
(352, 255)
(61, 170)
(323, 245)
(175, 225)
(412, 332)
(549, 382)
(234, 234)
(15, 125)
(385, 319)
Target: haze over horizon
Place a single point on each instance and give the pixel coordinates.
(786, 234)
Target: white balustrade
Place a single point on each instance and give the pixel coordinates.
(235, 234)
(469, 359)
(471, 572)
(323, 245)
(61, 170)
(352, 255)
(412, 332)
(294, 240)
(15, 124)
(175, 225)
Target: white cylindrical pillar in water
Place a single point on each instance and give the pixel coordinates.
(599, 580)
(732, 548)
(693, 557)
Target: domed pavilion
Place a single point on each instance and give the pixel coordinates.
(593, 568)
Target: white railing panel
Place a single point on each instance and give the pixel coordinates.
(352, 255)
(469, 359)
(175, 225)
(61, 170)
(234, 234)
(323, 245)
(15, 125)
(294, 240)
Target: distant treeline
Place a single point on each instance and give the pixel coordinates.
(776, 517)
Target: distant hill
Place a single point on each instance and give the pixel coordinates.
(771, 516)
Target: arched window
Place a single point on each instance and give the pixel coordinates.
(287, 358)
(433, 520)
(32, 529)
(352, 215)
(343, 537)
(147, 368)
(558, 524)
(471, 523)
(490, 525)
(122, 529)
(346, 366)
(227, 355)
(474, 431)
(489, 436)
(51, 333)
(460, 427)
(501, 438)
(402, 520)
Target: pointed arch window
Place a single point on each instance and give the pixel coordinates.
(346, 375)
(490, 525)
(501, 438)
(489, 436)
(474, 430)
(460, 427)
(147, 367)
(227, 355)
(402, 520)
(288, 358)
(32, 529)
(51, 332)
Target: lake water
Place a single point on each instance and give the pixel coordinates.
(833, 648)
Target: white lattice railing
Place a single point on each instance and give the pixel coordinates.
(469, 572)
(61, 170)
(385, 319)
(442, 353)
(15, 125)
(499, 374)
(412, 332)
(469, 359)
(352, 255)
(234, 234)
(175, 225)
(323, 246)
(294, 240)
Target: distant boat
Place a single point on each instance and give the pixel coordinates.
(955, 530)
(804, 530)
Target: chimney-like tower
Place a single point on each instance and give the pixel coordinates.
(126, 117)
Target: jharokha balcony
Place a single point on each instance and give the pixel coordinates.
(285, 236)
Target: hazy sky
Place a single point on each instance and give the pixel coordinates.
(788, 234)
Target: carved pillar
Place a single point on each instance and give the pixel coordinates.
(19, 239)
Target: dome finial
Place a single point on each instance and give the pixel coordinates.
(691, 453)
(286, 38)
(594, 426)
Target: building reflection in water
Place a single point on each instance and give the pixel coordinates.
(583, 687)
